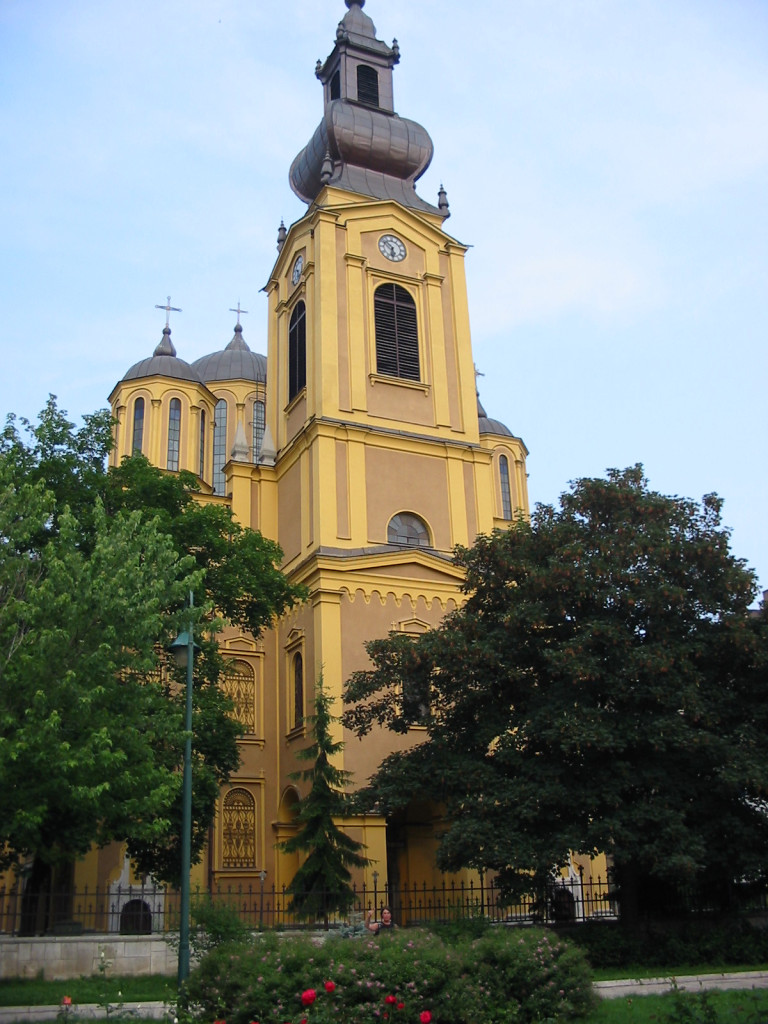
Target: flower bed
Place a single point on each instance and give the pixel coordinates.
(410, 977)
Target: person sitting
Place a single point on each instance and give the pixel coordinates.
(385, 924)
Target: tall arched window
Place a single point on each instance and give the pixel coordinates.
(406, 528)
(397, 339)
(174, 434)
(298, 690)
(138, 425)
(240, 686)
(367, 85)
(219, 445)
(239, 830)
(202, 443)
(297, 351)
(258, 428)
(506, 494)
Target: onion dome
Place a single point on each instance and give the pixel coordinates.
(489, 426)
(361, 144)
(163, 363)
(235, 362)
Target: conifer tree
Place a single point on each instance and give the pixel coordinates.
(322, 884)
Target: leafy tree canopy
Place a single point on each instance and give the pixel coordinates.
(322, 883)
(95, 569)
(603, 688)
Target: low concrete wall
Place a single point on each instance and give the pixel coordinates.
(70, 956)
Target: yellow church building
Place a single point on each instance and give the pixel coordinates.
(358, 444)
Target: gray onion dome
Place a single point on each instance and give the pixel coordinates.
(489, 426)
(163, 363)
(235, 362)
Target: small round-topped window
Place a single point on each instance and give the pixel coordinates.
(406, 528)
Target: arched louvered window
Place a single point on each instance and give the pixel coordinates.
(202, 443)
(174, 434)
(259, 421)
(239, 830)
(138, 425)
(406, 528)
(397, 340)
(219, 445)
(367, 85)
(298, 690)
(239, 684)
(335, 92)
(506, 493)
(297, 351)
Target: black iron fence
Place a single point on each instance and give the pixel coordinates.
(154, 909)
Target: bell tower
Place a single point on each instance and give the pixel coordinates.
(384, 461)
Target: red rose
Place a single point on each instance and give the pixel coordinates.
(425, 1017)
(390, 1000)
(401, 1006)
(308, 997)
(330, 986)
(66, 1001)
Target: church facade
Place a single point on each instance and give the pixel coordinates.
(358, 443)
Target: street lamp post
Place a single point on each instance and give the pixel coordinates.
(183, 649)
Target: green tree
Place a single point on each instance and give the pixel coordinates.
(96, 567)
(602, 689)
(322, 883)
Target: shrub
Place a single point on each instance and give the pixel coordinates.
(607, 944)
(506, 975)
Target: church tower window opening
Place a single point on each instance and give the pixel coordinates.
(219, 446)
(397, 338)
(297, 711)
(202, 444)
(174, 434)
(297, 351)
(506, 494)
(335, 87)
(259, 422)
(138, 425)
(239, 830)
(367, 85)
(406, 528)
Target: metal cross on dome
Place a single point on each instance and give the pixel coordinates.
(238, 310)
(168, 310)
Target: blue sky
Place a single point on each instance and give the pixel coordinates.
(606, 160)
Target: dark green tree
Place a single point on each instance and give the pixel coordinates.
(322, 884)
(603, 689)
(95, 570)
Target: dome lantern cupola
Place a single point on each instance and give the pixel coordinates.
(361, 145)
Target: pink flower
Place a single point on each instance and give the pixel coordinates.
(330, 986)
(425, 1017)
(66, 1001)
(308, 997)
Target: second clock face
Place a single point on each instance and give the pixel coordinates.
(298, 266)
(392, 248)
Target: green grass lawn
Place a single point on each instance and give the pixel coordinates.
(36, 992)
(706, 1008)
(679, 971)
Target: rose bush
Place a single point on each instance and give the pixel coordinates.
(506, 975)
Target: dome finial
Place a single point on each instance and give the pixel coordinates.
(238, 311)
(281, 236)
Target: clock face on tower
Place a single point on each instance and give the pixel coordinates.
(392, 248)
(298, 266)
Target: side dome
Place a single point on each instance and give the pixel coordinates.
(163, 363)
(489, 426)
(235, 362)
